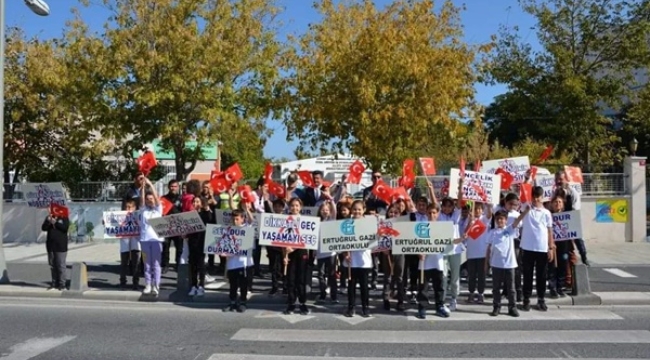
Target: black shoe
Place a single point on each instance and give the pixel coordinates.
(400, 307)
(541, 305)
(165, 270)
(554, 294)
(273, 291)
(365, 312)
(123, 286)
(290, 310)
(335, 301)
(526, 305)
(350, 312)
(135, 286)
(586, 262)
(561, 293)
(373, 286)
(495, 311)
(304, 310)
(230, 308)
(386, 305)
(241, 308)
(512, 311)
(285, 291)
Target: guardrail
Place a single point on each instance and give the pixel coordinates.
(595, 184)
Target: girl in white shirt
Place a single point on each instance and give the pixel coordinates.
(326, 261)
(360, 263)
(150, 241)
(476, 248)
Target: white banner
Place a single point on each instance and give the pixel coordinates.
(567, 226)
(547, 182)
(423, 238)
(476, 186)
(223, 217)
(121, 224)
(177, 224)
(348, 235)
(225, 240)
(385, 234)
(294, 231)
(41, 195)
(516, 166)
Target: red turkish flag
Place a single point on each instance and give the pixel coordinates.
(357, 168)
(387, 231)
(220, 184)
(306, 178)
(245, 193)
(573, 174)
(545, 154)
(476, 229)
(59, 211)
(428, 166)
(506, 178)
(526, 193)
(354, 178)
(400, 192)
(278, 190)
(166, 205)
(533, 172)
(233, 173)
(462, 167)
(407, 181)
(215, 174)
(268, 173)
(408, 167)
(382, 191)
(146, 162)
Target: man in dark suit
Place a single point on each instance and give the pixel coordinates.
(56, 245)
(314, 196)
(372, 202)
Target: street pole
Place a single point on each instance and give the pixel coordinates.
(40, 8)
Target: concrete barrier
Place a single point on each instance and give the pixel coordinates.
(79, 277)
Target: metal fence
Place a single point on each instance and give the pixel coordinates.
(595, 184)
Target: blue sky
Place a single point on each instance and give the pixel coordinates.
(481, 19)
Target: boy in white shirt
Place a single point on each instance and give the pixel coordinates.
(433, 265)
(502, 257)
(239, 269)
(537, 248)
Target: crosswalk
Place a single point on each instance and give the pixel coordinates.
(33, 347)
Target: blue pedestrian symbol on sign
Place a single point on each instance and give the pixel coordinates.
(422, 230)
(347, 227)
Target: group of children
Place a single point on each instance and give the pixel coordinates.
(517, 235)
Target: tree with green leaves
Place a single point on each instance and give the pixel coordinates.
(383, 84)
(182, 70)
(561, 93)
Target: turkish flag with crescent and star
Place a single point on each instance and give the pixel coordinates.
(233, 174)
(573, 174)
(277, 190)
(428, 166)
(146, 162)
(356, 170)
(382, 191)
(506, 178)
(268, 173)
(476, 230)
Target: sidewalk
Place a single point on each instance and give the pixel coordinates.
(29, 273)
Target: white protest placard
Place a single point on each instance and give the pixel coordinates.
(121, 224)
(476, 186)
(41, 195)
(226, 240)
(516, 166)
(294, 231)
(223, 217)
(177, 224)
(567, 226)
(385, 234)
(348, 235)
(309, 211)
(423, 238)
(547, 182)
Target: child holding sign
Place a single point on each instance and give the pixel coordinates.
(296, 262)
(476, 248)
(239, 268)
(360, 264)
(326, 263)
(557, 270)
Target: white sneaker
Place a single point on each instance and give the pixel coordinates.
(193, 291)
(452, 304)
(147, 289)
(155, 290)
(200, 291)
(209, 279)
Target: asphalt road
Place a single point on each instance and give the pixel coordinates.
(67, 329)
(102, 276)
